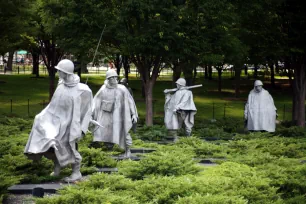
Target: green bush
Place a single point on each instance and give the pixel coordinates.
(211, 199)
(293, 131)
(151, 133)
(214, 134)
(73, 195)
(96, 157)
(166, 163)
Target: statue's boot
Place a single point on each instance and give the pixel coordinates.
(57, 168)
(76, 174)
(127, 153)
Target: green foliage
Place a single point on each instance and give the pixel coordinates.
(211, 199)
(229, 125)
(293, 131)
(96, 157)
(259, 168)
(151, 133)
(166, 163)
(73, 195)
(202, 148)
(214, 134)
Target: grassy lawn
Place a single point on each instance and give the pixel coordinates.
(209, 102)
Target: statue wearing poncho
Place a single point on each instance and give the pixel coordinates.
(260, 111)
(179, 108)
(114, 108)
(58, 127)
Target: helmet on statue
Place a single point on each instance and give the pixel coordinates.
(123, 81)
(181, 81)
(66, 66)
(111, 73)
(258, 83)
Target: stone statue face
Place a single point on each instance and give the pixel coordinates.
(258, 89)
(62, 75)
(178, 86)
(112, 81)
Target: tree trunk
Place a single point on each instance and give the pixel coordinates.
(255, 71)
(177, 70)
(52, 73)
(210, 72)
(276, 67)
(35, 63)
(206, 71)
(272, 75)
(188, 75)
(219, 79)
(299, 86)
(126, 67)
(10, 61)
(237, 80)
(245, 70)
(118, 63)
(149, 103)
(194, 74)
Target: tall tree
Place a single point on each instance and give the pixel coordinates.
(13, 14)
(294, 30)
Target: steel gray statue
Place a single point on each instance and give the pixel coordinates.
(58, 128)
(260, 111)
(124, 82)
(114, 108)
(179, 107)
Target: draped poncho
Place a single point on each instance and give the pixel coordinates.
(260, 111)
(61, 122)
(113, 109)
(181, 100)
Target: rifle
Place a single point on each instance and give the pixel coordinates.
(186, 87)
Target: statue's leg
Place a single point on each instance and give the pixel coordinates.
(57, 168)
(128, 143)
(76, 167)
(187, 131)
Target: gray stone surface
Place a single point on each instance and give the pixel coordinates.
(122, 157)
(107, 170)
(28, 188)
(142, 150)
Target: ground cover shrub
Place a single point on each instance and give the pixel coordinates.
(275, 145)
(229, 182)
(152, 133)
(214, 134)
(93, 158)
(165, 162)
(211, 199)
(73, 195)
(293, 131)
(137, 143)
(20, 123)
(229, 124)
(202, 149)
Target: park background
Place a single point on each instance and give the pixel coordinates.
(224, 45)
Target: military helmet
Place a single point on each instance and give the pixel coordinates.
(258, 83)
(181, 81)
(111, 73)
(123, 80)
(66, 66)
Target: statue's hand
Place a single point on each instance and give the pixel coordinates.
(53, 144)
(166, 91)
(134, 119)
